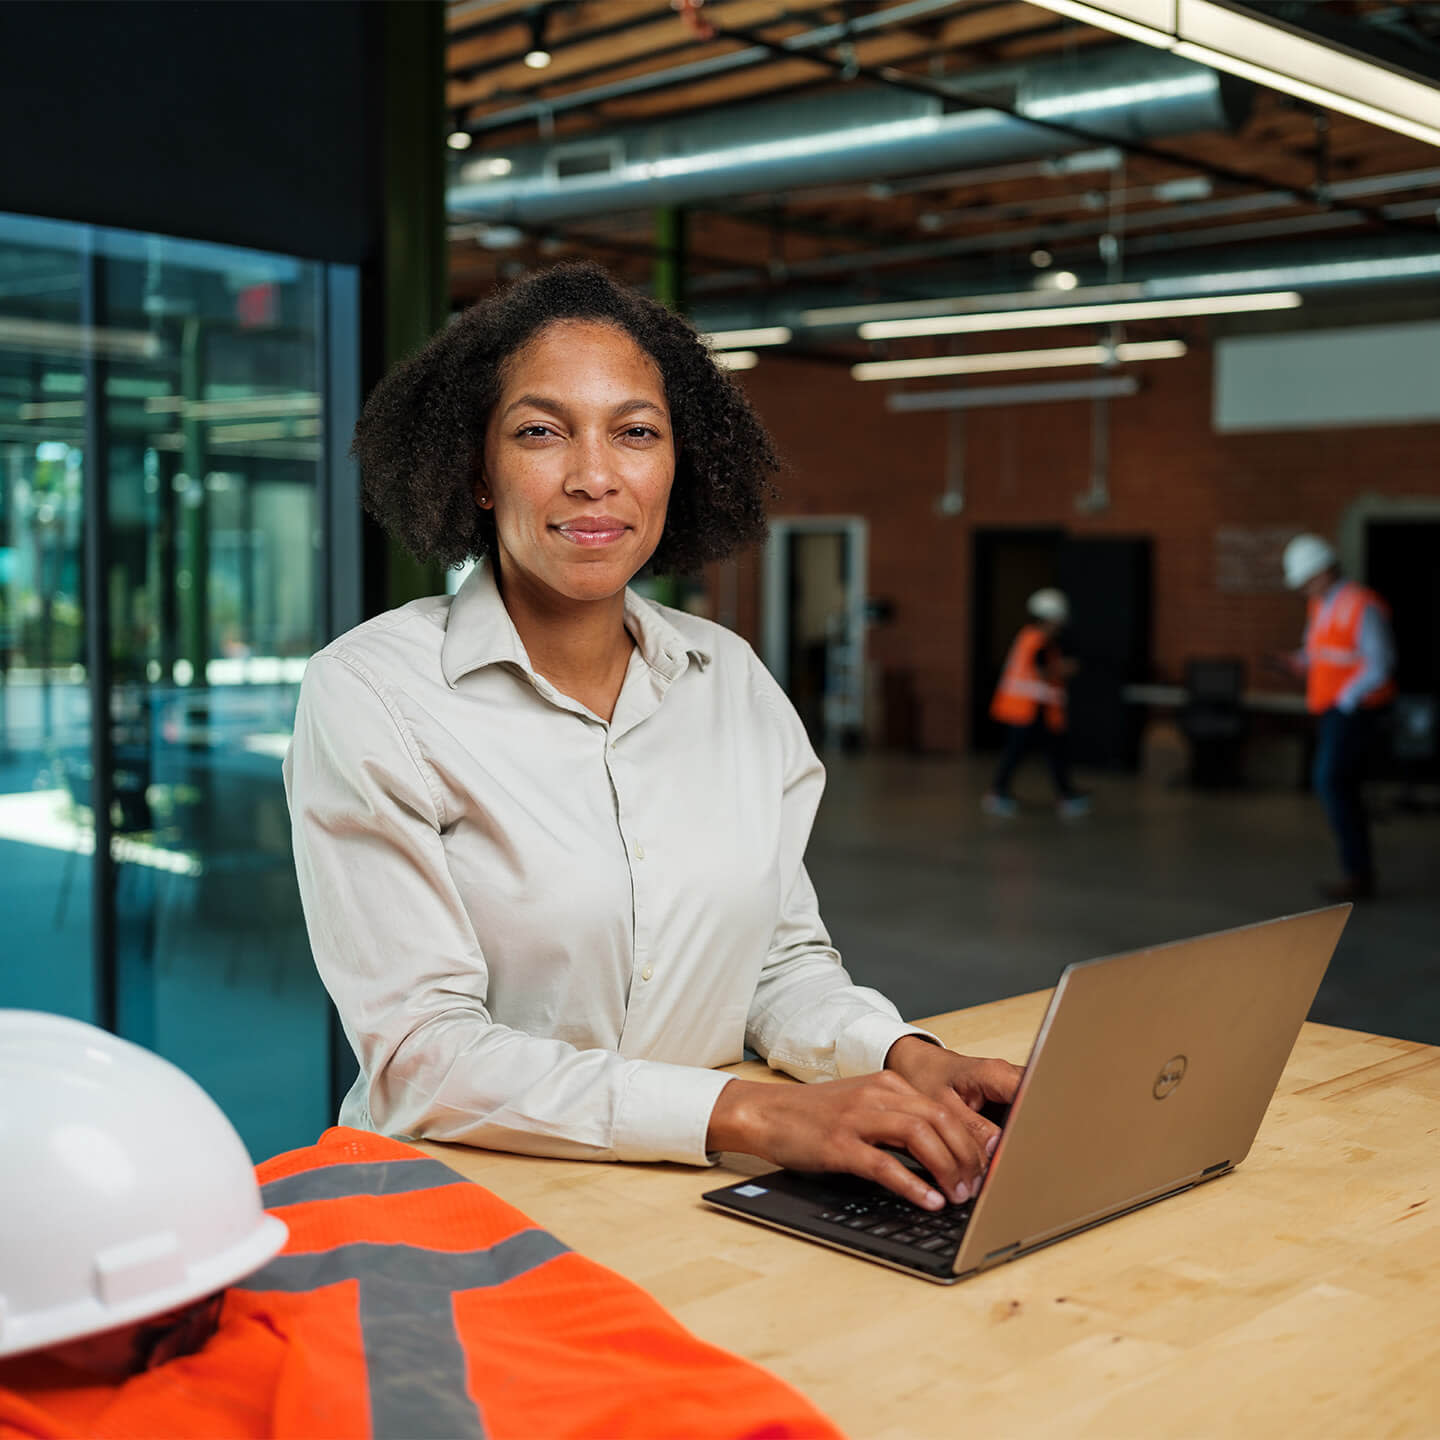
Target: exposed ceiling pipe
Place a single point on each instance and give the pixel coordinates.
(1365, 262)
(859, 133)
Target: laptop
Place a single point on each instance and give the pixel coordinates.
(1150, 1074)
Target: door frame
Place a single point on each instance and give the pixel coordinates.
(849, 713)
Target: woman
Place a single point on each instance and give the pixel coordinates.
(550, 836)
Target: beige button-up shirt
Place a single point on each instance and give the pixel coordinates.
(541, 930)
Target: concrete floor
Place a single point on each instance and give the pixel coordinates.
(940, 907)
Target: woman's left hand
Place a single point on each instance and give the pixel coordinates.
(947, 1077)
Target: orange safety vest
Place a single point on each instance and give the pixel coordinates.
(409, 1301)
(1332, 646)
(1023, 689)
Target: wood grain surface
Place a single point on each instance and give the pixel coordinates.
(1299, 1295)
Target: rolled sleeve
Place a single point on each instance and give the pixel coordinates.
(862, 1046)
(665, 1113)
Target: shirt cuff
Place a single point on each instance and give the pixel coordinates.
(862, 1046)
(664, 1113)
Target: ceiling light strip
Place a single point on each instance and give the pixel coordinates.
(962, 304)
(1107, 20)
(1303, 90)
(1080, 315)
(1018, 360)
(748, 339)
(1274, 54)
(987, 397)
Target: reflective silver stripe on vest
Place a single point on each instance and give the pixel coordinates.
(417, 1369)
(1329, 655)
(1032, 690)
(374, 1177)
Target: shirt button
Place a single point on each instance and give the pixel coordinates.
(647, 972)
(640, 855)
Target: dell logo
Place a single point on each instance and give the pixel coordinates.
(1171, 1074)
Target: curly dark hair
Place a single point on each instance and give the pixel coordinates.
(421, 436)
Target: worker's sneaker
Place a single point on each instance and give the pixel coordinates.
(1073, 807)
(1005, 806)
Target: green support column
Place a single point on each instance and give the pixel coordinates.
(416, 274)
(669, 277)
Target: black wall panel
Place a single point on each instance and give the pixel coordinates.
(247, 123)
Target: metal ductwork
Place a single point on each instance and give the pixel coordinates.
(1129, 93)
(1362, 263)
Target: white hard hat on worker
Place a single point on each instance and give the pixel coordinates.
(1307, 556)
(1050, 605)
(128, 1193)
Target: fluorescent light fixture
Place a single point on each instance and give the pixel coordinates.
(537, 59)
(459, 140)
(54, 337)
(736, 359)
(53, 410)
(1064, 280)
(1316, 94)
(963, 304)
(745, 339)
(988, 396)
(497, 165)
(1079, 315)
(1017, 360)
(1272, 53)
(1105, 19)
(247, 407)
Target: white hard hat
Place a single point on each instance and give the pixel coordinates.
(127, 1192)
(1307, 556)
(1049, 605)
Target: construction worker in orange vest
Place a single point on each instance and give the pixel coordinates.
(1347, 660)
(1030, 702)
(154, 1285)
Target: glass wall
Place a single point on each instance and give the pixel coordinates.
(162, 403)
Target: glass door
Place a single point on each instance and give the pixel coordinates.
(196, 394)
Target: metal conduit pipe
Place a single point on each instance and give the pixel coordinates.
(1129, 93)
(1363, 263)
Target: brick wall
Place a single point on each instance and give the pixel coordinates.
(1171, 478)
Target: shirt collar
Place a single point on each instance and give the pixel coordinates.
(479, 632)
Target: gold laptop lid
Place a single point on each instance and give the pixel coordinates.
(1150, 1070)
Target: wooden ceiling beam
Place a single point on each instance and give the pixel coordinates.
(891, 47)
(582, 57)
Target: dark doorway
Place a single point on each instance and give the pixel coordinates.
(1108, 581)
(1400, 565)
(1010, 565)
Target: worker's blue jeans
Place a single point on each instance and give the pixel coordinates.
(1341, 743)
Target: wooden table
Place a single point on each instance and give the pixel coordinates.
(1299, 1296)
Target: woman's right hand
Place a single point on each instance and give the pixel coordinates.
(838, 1125)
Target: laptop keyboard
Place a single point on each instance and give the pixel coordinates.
(931, 1234)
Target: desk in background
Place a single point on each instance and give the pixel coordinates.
(1274, 702)
(1298, 1296)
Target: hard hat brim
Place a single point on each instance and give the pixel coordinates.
(91, 1316)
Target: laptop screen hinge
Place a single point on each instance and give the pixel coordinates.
(1214, 1169)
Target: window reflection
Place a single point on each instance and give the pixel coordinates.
(204, 369)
